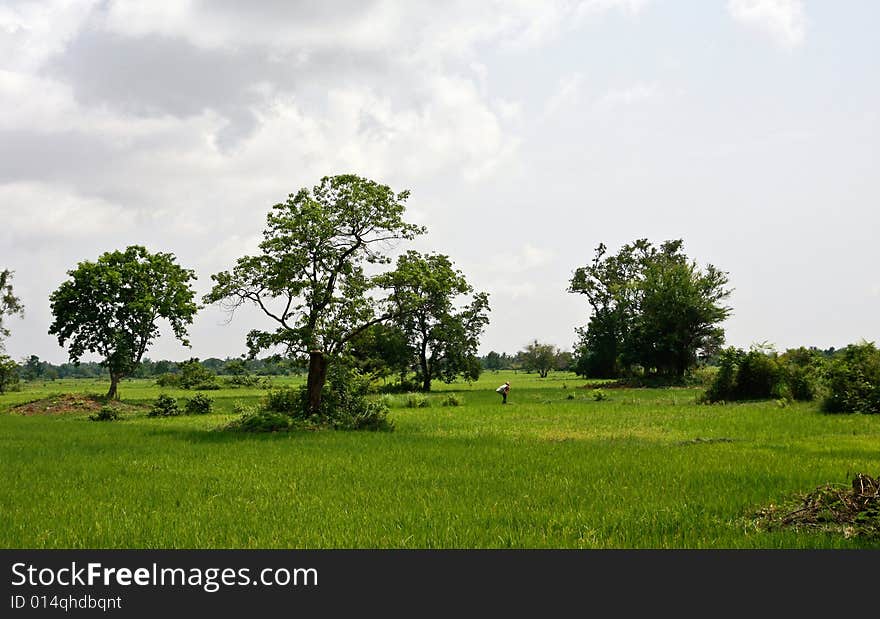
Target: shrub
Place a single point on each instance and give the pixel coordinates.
(416, 400)
(344, 406)
(452, 399)
(285, 400)
(261, 421)
(761, 374)
(106, 413)
(242, 380)
(8, 374)
(702, 376)
(168, 380)
(193, 375)
(198, 405)
(570, 396)
(852, 378)
(164, 406)
(388, 400)
(599, 395)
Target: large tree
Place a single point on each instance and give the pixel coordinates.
(10, 305)
(112, 307)
(652, 307)
(442, 329)
(309, 277)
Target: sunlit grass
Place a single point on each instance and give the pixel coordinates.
(648, 468)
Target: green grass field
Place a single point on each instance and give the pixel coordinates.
(640, 470)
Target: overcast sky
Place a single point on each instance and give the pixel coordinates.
(528, 133)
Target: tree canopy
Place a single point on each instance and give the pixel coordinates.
(651, 307)
(441, 329)
(111, 307)
(10, 305)
(309, 276)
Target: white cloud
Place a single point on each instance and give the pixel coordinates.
(783, 20)
(637, 93)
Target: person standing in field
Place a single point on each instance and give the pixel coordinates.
(503, 390)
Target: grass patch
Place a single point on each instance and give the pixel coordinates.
(541, 472)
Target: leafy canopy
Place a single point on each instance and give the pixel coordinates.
(309, 275)
(112, 306)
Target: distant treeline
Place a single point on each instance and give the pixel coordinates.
(33, 368)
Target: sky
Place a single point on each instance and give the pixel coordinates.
(527, 133)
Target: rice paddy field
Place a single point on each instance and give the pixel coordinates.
(554, 468)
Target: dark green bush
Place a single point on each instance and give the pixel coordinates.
(261, 421)
(168, 380)
(242, 380)
(852, 378)
(106, 413)
(344, 406)
(286, 400)
(198, 405)
(193, 375)
(164, 406)
(761, 374)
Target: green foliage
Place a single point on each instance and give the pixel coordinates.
(106, 413)
(761, 374)
(111, 307)
(651, 307)
(599, 395)
(452, 399)
(416, 400)
(164, 406)
(540, 358)
(261, 421)
(852, 377)
(198, 405)
(311, 266)
(243, 380)
(10, 305)
(287, 400)
(8, 374)
(442, 334)
(168, 380)
(193, 375)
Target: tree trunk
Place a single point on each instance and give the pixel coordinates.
(113, 394)
(426, 372)
(317, 378)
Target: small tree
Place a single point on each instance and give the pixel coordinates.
(309, 276)
(10, 305)
(111, 307)
(442, 335)
(8, 374)
(540, 358)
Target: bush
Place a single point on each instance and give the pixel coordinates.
(8, 374)
(285, 400)
(261, 421)
(702, 376)
(599, 395)
(164, 406)
(242, 380)
(852, 378)
(168, 380)
(193, 375)
(198, 405)
(344, 406)
(416, 400)
(452, 399)
(761, 374)
(107, 413)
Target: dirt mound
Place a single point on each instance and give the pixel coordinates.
(853, 511)
(67, 403)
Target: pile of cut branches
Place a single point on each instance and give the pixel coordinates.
(853, 511)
